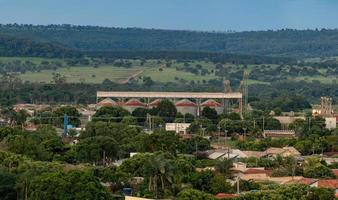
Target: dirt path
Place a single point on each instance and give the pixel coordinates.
(136, 74)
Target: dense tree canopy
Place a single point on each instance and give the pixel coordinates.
(277, 43)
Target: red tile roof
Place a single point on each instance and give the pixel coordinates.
(155, 102)
(134, 102)
(185, 102)
(329, 183)
(305, 181)
(107, 102)
(331, 154)
(335, 171)
(211, 103)
(225, 196)
(258, 171)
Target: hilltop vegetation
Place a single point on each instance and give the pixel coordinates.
(294, 43)
(12, 46)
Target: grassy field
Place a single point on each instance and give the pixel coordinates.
(23, 59)
(156, 69)
(321, 79)
(115, 74)
(81, 74)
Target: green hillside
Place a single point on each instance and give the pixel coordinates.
(294, 43)
(13, 46)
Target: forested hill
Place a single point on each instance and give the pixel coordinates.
(12, 46)
(294, 43)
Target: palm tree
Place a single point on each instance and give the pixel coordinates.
(160, 172)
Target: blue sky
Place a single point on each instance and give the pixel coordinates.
(208, 15)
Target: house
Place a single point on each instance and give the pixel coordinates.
(303, 181)
(287, 120)
(255, 154)
(240, 170)
(135, 198)
(279, 133)
(225, 154)
(226, 196)
(330, 122)
(179, 128)
(260, 174)
(284, 152)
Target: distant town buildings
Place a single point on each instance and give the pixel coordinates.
(279, 133)
(185, 102)
(179, 128)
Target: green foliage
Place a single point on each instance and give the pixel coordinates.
(248, 185)
(97, 149)
(93, 38)
(272, 124)
(315, 169)
(129, 120)
(40, 145)
(202, 180)
(202, 125)
(210, 113)
(71, 112)
(253, 144)
(70, 185)
(192, 194)
(223, 167)
(110, 114)
(15, 118)
(5, 131)
(113, 175)
(284, 103)
(161, 141)
(320, 194)
(7, 186)
(167, 110)
(219, 184)
(135, 164)
(300, 192)
(140, 114)
(32, 48)
(189, 146)
(160, 172)
(72, 132)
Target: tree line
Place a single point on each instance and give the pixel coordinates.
(16, 46)
(284, 42)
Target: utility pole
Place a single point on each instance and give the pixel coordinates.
(196, 148)
(244, 132)
(309, 123)
(219, 134)
(263, 124)
(237, 180)
(149, 121)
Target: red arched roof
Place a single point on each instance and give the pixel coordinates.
(211, 103)
(107, 102)
(185, 102)
(134, 102)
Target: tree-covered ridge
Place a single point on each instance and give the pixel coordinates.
(304, 43)
(13, 46)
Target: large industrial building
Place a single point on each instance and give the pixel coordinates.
(186, 102)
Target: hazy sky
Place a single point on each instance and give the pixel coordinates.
(219, 15)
